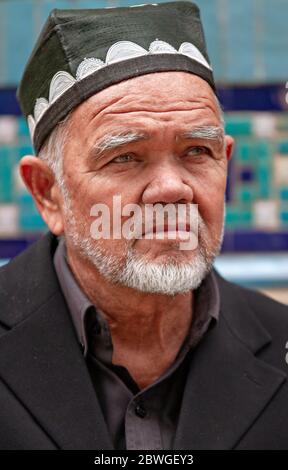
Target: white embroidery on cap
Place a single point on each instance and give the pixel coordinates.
(193, 52)
(144, 5)
(87, 66)
(40, 108)
(135, 6)
(60, 83)
(121, 50)
(31, 125)
(160, 47)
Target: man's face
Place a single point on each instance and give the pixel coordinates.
(135, 139)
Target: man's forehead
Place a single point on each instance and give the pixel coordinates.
(149, 125)
(151, 91)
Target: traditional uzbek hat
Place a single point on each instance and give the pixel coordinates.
(80, 52)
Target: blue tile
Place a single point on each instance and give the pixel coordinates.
(255, 241)
(247, 175)
(11, 248)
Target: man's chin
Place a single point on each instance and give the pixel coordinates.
(166, 275)
(167, 272)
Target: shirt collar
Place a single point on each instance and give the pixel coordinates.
(77, 301)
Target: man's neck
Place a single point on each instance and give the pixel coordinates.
(147, 330)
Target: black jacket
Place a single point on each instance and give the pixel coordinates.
(236, 394)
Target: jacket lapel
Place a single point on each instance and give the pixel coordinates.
(227, 386)
(41, 361)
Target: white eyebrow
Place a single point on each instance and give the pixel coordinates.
(204, 132)
(113, 141)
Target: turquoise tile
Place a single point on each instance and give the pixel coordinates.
(6, 186)
(264, 191)
(232, 214)
(283, 148)
(4, 152)
(238, 216)
(238, 128)
(29, 218)
(243, 152)
(274, 38)
(31, 223)
(284, 217)
(283, 194)
(263, 149)
(245, 219)
(246, 193)
(23, 130)
(25, 200)
(19, 37)
(25, 150)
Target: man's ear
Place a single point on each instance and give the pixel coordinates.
(40, 182)
(229, 146)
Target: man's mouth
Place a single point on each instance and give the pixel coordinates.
(166, 231)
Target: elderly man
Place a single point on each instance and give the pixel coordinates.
(130, 342)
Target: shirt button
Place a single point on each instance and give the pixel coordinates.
(140, 411)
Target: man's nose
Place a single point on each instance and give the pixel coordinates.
(167, 185)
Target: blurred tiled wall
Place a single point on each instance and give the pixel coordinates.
(247, 40)
(257, 192)
(18, 213)
(257, 195)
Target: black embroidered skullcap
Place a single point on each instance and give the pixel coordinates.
(80, 52)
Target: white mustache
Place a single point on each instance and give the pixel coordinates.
(187, 224)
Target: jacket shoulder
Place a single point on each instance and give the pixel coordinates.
(239, 303)
(267, 309)
(27, 281)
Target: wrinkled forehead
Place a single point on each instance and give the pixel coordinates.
(152, 92)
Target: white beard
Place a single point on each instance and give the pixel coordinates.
(135, 271)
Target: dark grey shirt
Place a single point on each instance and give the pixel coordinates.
(136, 419)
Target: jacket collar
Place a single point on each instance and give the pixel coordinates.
(40, 358)
(28, 281)
(235, 384)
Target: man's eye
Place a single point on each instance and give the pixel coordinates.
(198, 151)
(123, 158)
